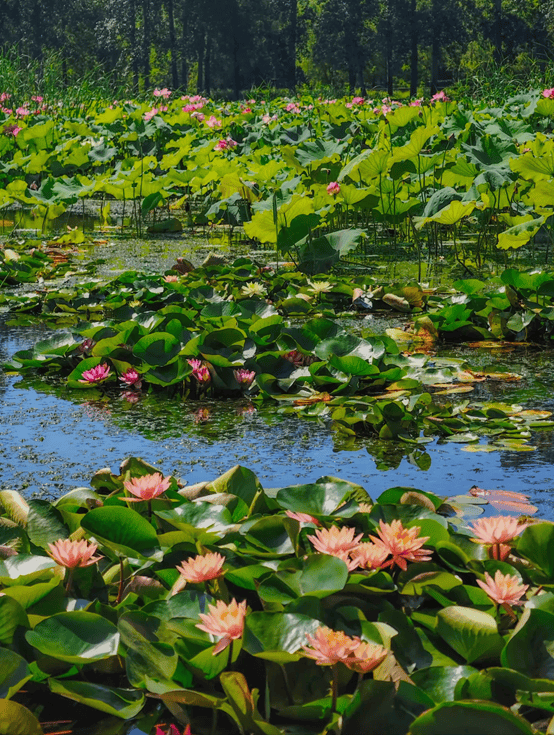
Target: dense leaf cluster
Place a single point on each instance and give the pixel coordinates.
(116, 639)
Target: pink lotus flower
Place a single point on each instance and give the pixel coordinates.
(402, 543)
(5, 96)
(244, 377)
(12, 130)
(225, 145)
(440, 97)
(201, 568)
(225, 621)
(72, 554)
(165, 93)
(146, 487)
(96, 374)
(328, 647)
(198, 115)
(549, 93)
(171, 279)
(150, 114)
(302, 517)
(333, 188)
(131, 377)
(37, 98)
(213, 122)
(416, 103)
(505, 589)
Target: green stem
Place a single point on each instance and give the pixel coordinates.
(334, 686)
(69, 580)
(121, 581)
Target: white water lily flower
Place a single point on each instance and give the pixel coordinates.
(253, 289)
(320, 286)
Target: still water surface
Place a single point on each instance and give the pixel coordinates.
(50, 445)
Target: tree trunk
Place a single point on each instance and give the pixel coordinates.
(414, 57)
(146, 43)
(184, 45)
(498, 30)
(207, 59)
(200, 58)
(292, 33)
(351, 75)
(389, 59)
(236, 69)
(133, 42)
(435, 49)
(435, 59)
(172, 44)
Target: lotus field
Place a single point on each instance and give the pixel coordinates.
(140, 604)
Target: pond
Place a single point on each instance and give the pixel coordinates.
(53, 443)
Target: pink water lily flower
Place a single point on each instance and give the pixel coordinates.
(327, 647)
(200, 371)
(335, 540)
(71, 554)
(96, 374)
(302, 517)
(173, 730)
(370, 555)
(201, 568)
(146, 487)
(131, 377)
(244, 377)
(504, 589)
(366, 657)
(497, 529)
(404, 544)
(225, 621)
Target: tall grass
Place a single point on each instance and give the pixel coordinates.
(24, 77)
(496, 81)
